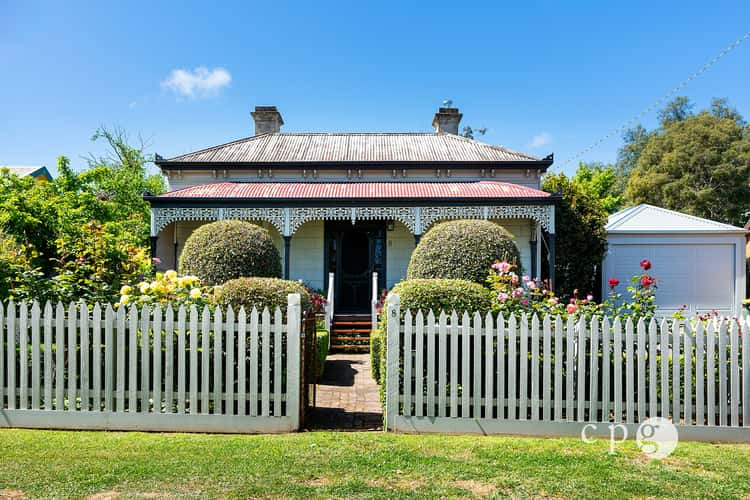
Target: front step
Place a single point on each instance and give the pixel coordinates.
(351, 332)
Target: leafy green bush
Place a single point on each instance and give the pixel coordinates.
(462, 249)
(441, 295)
(376, 348)
(322, 337)
(228, 249)
(260, 293)
(581, 240)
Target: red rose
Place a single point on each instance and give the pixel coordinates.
(646, 264)
(647, 280)
(613, 282)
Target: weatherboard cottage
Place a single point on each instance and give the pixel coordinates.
(353, 204)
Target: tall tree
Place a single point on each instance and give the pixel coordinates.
(676, 110)
(602, 182)
(635, 139)
(581, 241)
(699, 164)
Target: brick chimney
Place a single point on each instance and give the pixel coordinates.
(267, 119)
(446, 121)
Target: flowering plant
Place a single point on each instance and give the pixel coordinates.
(318, 301)
(642, 290)
(512, 293)
(166, 288)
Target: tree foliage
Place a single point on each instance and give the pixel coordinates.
(581, 241)
(602, 182)
(698, 164)
(79, 230)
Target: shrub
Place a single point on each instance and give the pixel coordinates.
(442, 295)
(260, 293)
(581, 240)
(461, 249)
(376, 347)
(167, 288)
(224, 250)
(323, 338)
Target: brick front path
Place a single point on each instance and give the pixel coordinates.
(347, 397)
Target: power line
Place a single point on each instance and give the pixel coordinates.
(659, 101)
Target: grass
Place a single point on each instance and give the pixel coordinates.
(324, 464)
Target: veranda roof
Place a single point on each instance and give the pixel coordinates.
(482, 190)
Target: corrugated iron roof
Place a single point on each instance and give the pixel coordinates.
(356, 190)
(646, 218)
(352, 148)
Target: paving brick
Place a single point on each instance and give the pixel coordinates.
(347, 396)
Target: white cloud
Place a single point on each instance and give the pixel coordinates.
(540, 140)
(198, 83)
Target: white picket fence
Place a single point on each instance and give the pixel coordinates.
(146, 368)
(541, 376)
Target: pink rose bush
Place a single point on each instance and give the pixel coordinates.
(512, 293)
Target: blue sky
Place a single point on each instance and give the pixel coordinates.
(542, 77)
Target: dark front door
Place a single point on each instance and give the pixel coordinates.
(353, 253)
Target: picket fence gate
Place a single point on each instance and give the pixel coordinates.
(150, 368)
(526, 375)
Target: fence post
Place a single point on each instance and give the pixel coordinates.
(392, 360)
(293, 333)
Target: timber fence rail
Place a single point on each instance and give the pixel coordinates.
(150, 368)
(545, 376)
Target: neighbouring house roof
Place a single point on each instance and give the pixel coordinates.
(32, 170)
(650, 219)
(405, 191)
(354, 148)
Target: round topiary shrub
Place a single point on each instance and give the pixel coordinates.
(260, 293)
(442, 295)
(462, 249)
(227, 249)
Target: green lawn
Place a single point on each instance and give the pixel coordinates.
(51, 463)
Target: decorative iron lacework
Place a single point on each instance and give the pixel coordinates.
(299, 216)
(163, 216)
(166, 215)
(417, 219)
(273, 215)
(542, 214)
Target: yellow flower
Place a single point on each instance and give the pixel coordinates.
(159, 276)
(195, 293)
(170, 275)
(143, 287)
(124, 299)
(154, 285)
(125, 290)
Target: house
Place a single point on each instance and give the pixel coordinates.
(39, 173)
(353, 203)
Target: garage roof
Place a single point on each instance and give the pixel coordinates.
(650, 219)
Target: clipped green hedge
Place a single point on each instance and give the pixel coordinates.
(376, 349)
(462, 249)
(260, 293)
(228, 249)
(441, 295)
(322, 337)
